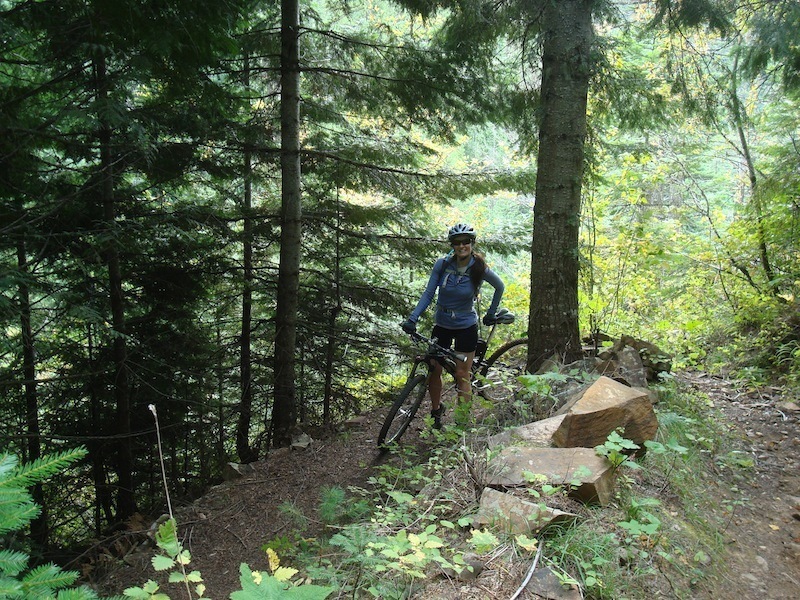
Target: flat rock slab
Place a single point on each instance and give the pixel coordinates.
(538, 434)
(515, 515)
(590, 476)
(603, 407)
(545, 584)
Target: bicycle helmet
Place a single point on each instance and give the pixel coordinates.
(461, 229)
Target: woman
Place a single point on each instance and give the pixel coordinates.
(457, 277)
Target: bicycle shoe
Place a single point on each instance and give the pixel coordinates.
(437, 416)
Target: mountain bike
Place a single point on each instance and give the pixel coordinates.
(410, 398)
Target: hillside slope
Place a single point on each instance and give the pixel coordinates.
(281, 497)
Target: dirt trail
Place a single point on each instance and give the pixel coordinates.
(764, 534)
(233, 521)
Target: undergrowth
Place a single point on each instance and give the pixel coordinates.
(662, 533)
(762, 347)
(659, 536)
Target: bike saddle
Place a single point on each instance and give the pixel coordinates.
(504, 317)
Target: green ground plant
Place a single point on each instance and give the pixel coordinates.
(173, 560)
(17, 510)
(386, 539)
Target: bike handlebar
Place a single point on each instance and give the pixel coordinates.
(502, 317)
(437, 350)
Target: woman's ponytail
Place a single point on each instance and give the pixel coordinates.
(477, 271)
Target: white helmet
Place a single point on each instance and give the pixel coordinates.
(461, 229)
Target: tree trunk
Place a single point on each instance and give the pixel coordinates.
(243, 447)
(103, 508)
(126, 502)
(755, 193)
(330, 354)
(566, 65)
(220, 402)
(284, 408)
(39, 527)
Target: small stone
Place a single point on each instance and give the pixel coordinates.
(762, 562)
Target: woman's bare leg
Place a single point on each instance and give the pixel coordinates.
(463, 377)
(435, 386)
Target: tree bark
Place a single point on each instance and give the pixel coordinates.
(755, 192)
(333, 315)
(126, 502)
(39, 526)
(284, 408)
(243, 447)
(566, 67)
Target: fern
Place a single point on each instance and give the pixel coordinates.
(17, 509)
(37, 471)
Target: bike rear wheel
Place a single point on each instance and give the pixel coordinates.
(403, 410)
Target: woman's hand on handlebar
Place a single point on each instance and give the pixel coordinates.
(408, 326)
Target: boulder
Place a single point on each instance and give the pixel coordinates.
(473, 567)
(538, 434)
(301, 441)
(232, 471)
(355, 422)
(590, 477)
(604, 406)
(544, 583)
(624, 365)
(515, 515)
(654, 360)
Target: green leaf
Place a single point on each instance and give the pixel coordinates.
(401, 497)
(483, 540)
(162, 563)
(673, 445)
(194, 577)
(167, 537)
(526, 543)
(138, 592)
(10, 588)
(262, 586)
(49, 576)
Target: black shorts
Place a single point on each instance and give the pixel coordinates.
(466, 339)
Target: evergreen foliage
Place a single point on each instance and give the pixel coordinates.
(17, 510)
(130, 140)
(140, 195)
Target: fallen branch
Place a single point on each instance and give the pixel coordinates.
(529, 575)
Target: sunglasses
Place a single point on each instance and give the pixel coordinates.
(461, 242)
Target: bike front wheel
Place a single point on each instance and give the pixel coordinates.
(403, 411)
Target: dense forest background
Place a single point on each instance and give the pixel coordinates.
(224, 209)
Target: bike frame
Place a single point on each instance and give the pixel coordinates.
(447, 357)
(413, 393)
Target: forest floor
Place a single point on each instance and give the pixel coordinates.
(232, 522)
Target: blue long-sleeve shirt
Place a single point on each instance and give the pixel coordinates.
(455, 303)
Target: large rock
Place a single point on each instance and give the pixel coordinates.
(603, 407)
(625, 366)
(515, 515)
(538, 434)
(654, 360)
(232, 471)
(589, 477)
(545, 584)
